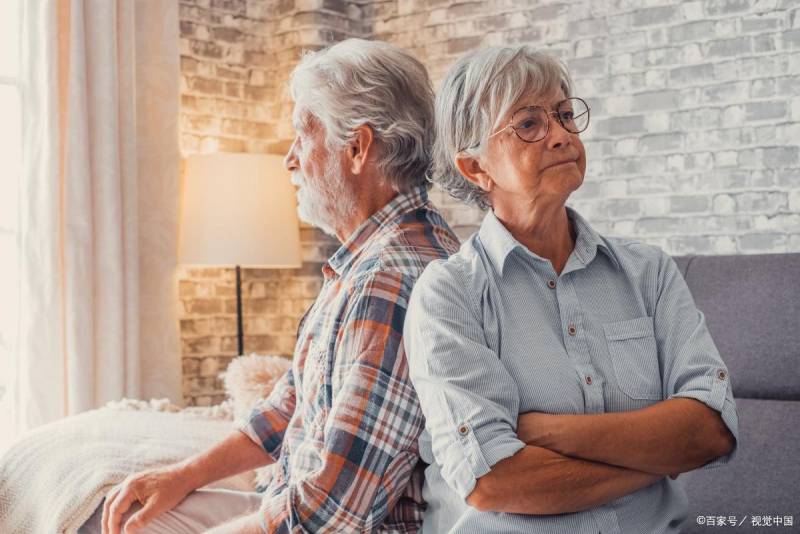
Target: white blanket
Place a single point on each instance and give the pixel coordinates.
(53, 479)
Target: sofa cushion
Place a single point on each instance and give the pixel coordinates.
(752, 307)
(759, 479)
(683, 263)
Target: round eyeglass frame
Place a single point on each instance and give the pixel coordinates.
(547, 125)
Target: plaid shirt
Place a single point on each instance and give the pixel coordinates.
(343, 423)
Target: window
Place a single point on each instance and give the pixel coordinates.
(10, 170)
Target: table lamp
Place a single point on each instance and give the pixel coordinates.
(238, 210)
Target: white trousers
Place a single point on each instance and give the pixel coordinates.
(200, 511)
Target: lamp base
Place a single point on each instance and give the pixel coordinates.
(239, 321)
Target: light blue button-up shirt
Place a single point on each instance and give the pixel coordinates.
(493, 332)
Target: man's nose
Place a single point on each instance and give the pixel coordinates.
(290, 160)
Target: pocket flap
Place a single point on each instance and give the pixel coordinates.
(630, 329)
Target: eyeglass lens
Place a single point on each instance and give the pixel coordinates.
(531, 123)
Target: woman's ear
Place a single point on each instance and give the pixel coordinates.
(470, 167)
(358, 148)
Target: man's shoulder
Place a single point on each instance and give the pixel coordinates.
(408, 244)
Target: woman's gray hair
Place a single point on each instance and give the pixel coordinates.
(478, 91)
(357, 82)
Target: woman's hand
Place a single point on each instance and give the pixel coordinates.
(668, 438)
(538, 429)
(158, 490)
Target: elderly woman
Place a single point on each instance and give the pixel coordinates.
(566, 378)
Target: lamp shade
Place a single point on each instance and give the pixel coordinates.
(238, 209)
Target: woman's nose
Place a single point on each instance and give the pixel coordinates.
(557, 136)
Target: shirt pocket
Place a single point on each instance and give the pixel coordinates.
(634, 356)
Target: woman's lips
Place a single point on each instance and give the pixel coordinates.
(560, 163)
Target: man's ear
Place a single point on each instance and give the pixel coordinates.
(359, 148)
(470, 167)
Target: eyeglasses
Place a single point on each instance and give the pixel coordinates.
(532, 123)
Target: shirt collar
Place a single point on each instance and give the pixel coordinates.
(498, 242)
(399, 205)
(589, 241)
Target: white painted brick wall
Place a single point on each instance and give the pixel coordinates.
(694, 138)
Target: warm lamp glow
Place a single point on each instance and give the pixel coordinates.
(239, 209)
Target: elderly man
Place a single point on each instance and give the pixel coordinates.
(342, 424)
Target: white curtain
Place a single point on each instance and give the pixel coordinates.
(98, 205)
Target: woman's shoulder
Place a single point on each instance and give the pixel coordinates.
(634, 249)
(461, 273)
(635, 256)
(627, 251)
(467, 262)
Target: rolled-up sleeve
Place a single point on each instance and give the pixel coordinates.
(269, 418)
(470, 401)
(692, 365)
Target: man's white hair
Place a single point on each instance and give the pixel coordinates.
(357, 82)
(478, 90)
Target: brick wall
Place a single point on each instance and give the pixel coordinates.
(693, 142)
(695, 108)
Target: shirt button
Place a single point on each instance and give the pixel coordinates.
(551, 284)
(572, 330)
(589, 379)
(722, 375)
(463, 430)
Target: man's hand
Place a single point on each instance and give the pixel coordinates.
(158, 490)
(248, 524)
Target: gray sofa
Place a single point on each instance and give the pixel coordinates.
(752, 307)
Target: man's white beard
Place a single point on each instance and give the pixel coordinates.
(328, 204)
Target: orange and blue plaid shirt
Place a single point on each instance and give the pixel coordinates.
(343, 423)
